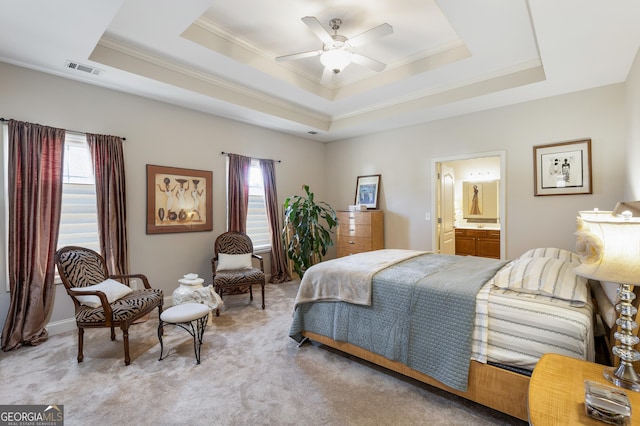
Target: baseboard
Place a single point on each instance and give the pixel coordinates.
(62, 326)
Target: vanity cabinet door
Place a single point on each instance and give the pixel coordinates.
(465, 245)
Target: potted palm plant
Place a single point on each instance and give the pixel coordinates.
(307, 230)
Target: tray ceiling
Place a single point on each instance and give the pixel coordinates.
(443, 59)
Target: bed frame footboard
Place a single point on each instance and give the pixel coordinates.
(494, 387)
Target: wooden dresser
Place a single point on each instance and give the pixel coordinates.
(478, 242)
(360, 231)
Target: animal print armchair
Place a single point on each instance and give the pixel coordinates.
(99, 300)
(232, 266)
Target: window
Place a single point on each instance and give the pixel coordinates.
(79, 216)
(257, 223)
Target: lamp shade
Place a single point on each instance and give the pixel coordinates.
(609, 247)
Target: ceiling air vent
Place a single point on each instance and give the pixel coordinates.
(83, 68)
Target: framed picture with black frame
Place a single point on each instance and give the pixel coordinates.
(368, 191)
(563, 168)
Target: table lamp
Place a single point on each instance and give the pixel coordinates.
(609, 247)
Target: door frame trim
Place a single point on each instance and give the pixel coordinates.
(503, 185)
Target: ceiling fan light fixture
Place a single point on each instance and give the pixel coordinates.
(336, 59)
(336, 53)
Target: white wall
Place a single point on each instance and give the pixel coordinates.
(632, 116)
(403, 158)
(161, 134)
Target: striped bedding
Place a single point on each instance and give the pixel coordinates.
(515, 329)
(512, 328)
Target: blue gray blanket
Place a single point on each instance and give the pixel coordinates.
(422, 315)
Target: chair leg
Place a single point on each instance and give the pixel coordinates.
(113, 333)
(198, 332)
(125, 339)
(251, 293)
(159, 315)
(80, 343)
(160, 333)
(262, 285)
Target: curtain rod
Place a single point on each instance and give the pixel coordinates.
(229, 153)
(4, 120)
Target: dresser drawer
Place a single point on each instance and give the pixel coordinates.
(359, 231)
(352, 245)
(353, 230)
(355, 218)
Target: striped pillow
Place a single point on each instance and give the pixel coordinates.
(554, 253)
(544, 276)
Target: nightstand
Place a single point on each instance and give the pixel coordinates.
(556, 392)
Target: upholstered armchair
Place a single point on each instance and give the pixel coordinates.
(232, 266)
(100, 300)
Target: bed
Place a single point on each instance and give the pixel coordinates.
(472, 326)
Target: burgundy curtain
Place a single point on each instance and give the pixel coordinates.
(108, 165)
(35, 198)
(279, 269)
(238, 205)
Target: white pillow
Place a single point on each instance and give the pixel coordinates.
(234, 261)
(544, 276)
(554, 253)
(111, 288)
(610, 290)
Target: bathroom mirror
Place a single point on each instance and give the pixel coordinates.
(480, 201)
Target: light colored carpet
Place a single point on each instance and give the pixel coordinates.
(251, 373)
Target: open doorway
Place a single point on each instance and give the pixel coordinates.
(470, 199)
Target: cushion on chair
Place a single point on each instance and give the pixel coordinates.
(110, 287)
(123, 309)
(227, 262)
(238, 277)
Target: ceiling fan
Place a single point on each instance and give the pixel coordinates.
(337, 52)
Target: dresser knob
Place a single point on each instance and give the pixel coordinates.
(352, 242)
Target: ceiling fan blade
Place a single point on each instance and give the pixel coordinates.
(368, 62)
(317, 28)
(327, 75)
(372, 34)
(298, 55)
